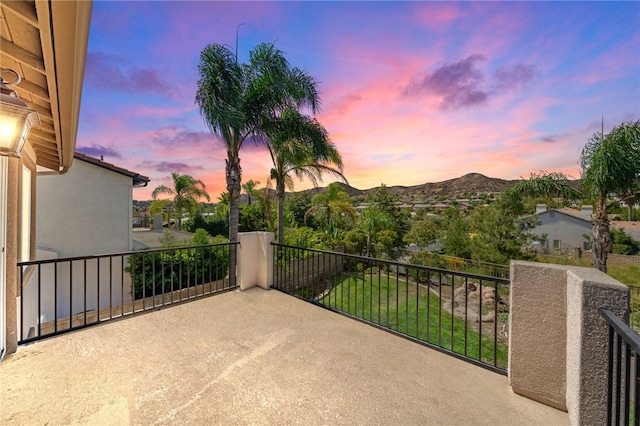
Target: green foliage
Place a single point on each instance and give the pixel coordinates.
(423, 232)
(159, 272)
(456, 238)
(499, 234)
(296, 206)
(252, 218)
(213, 225)
(623, 243)
(335, 204)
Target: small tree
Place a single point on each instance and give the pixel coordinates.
(185, 191)
(610, 165)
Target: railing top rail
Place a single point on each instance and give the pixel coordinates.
(410, 265)
(124, 253)
(622, 329)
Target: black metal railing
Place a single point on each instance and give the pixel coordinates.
(462, 314)
(470, 266)
(624, 372)
(60, 295)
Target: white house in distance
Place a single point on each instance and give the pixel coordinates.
(563, 227)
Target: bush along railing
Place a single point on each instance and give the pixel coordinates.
(462, 314)
(60, 295)
(435, 260)
(624, 373)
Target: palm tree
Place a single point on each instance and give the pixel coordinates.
(237, 101)
(610, 165)
(334, 201)
(299, 145)
(250, 189)
(186, 191)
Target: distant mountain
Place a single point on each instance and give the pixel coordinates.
(469, 184)
(472, 183)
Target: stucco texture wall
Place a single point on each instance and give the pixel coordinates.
(84, 212)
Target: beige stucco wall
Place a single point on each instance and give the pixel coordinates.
(255, 260)
(590, 290)
(85, 211)
(537, 332)
(558, 339)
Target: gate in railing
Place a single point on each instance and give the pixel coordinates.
(464, 315)
(61, 295)
(624, 372)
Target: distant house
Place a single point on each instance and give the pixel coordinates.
(631, 228)
(563, 228)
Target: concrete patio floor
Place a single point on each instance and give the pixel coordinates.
(253, 357)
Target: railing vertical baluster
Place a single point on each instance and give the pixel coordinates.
(39, 301)
(627, 366)
(122, 285)
(618, 376)
(610, 376)
(453, 298)
(417, 307)
(397, 303)
(466, 311)
(110, 287)
(406, 306)
(495, 324)
(636, 389)
(55, 297)
(380, 286)
(21, 273)
(440, 309)
(98, 289)
(428, 303)
(371, 293)
(480, 322)
(70, 294)
(84, 278)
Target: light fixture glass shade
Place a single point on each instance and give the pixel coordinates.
(16, 120)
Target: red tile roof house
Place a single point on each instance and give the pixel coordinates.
(260, 356)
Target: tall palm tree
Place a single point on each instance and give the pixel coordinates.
(186, 191)
(610, 165)
(237, 101)
(300, 145)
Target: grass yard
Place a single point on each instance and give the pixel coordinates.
(412, 309)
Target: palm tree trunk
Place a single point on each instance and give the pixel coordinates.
(601, 238)
(280, 194)
(233, 188)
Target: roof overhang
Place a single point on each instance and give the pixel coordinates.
(45, 41)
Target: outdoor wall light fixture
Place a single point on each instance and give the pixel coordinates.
(16, 118)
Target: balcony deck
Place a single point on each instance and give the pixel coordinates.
(253, 357)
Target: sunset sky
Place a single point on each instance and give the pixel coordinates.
(412, 92)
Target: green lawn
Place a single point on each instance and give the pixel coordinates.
(413, 310)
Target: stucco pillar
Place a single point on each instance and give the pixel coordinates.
(588, 291)
(537, 332)
(558, 340)
(255, 260)
(13, 220)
